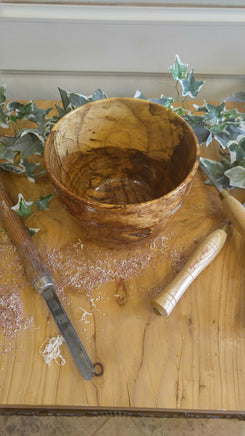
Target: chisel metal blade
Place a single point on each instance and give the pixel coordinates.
(72, 340)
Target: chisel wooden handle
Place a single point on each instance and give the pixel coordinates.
(208, 249)
(36, 269)
(234, 210)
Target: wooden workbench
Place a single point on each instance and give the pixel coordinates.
(192, 362)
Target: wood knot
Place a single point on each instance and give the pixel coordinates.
(121, 293)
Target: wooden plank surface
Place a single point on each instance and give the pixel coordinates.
(193, 360)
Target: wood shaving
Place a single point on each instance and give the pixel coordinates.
(50, 350)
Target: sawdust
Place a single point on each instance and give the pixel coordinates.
(92, 266)
(12, 315)
(77, 266)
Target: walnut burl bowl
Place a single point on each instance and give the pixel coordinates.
(122, 166)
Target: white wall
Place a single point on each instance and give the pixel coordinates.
(118, 49)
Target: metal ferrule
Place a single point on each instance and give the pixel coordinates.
(43, 282)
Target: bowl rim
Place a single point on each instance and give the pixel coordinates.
(91, 203)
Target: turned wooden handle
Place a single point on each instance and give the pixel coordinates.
(165, 302)
(234, 210)
(36, 270)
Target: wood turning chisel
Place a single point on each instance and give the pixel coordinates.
(41, 279)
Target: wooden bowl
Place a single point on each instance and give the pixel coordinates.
(122, 166)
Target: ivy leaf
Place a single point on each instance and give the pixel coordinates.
(29, 142)
(180, 111)
(3, 115)
(21, 110)
(65, 99)
(8, 166)
(7, 154)
(217, 169)
(139, 95)
(23, 207)
(238, 149)
(198, 126)
(28, 111)
(49, 124)
(191, 86)
(214, 113)
(236, 176)
(231, 135)
(3, 118)
(163, 100)
(38, 115)
(42, 202)
(72, 100)
(60, 110)
(29, 169)
(179, 70)
(2, 95)
(97, 95)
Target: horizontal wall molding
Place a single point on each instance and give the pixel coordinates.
(113, 73)
(133, 14)
(170, 3)
(34, 85)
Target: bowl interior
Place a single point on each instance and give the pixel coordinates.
(120, 151)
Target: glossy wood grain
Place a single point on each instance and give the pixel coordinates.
(193, 361)
(122, 166)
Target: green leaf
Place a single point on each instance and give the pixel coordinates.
(23, 207)
(42, 202)
(77, 100)
(3, 118)
(217, 169)
(7, 154)
(49, 124)
(191, 86)
(230, 135)
(7, 166)
(164, 101)
(29, 142)
(21, 110)
(65, 99)
(38, 115)
(97, 95)
(29, 169)
(180, 111)
(179, 70)
(2, 95)
(72, 100)
(236, 176)
(60, 110)
(198, 126)
(214, 113)
(238, 149)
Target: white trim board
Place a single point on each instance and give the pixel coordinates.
(128, 13)
(33, 85)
